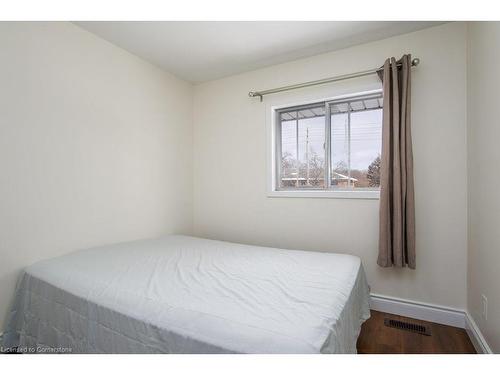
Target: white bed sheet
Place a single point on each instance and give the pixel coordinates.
(180, 294)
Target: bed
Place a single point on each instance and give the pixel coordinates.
(181, 294)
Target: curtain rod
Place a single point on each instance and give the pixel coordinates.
(260, 94)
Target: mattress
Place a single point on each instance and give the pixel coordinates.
(180, 294)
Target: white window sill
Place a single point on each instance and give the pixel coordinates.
(324, 194)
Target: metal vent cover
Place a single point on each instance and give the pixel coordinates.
(412, 327)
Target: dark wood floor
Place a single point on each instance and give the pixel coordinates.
(376, 338)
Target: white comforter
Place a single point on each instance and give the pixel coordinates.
(180, 294)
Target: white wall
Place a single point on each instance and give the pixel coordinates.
(95, 146)
(230, 150)
(483, 115)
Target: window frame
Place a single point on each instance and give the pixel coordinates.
(314, 192)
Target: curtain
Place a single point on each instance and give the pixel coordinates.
(397, 206)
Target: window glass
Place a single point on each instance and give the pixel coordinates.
(339, 150)
(303, 148)
(288, 154)
(355, 141)
(366, 146)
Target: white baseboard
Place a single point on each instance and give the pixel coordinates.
(418, 310)
(432, 313)
(475, 335)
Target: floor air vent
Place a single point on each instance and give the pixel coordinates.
(412, 327)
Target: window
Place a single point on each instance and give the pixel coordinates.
(330, 146)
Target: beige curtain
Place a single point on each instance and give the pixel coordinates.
(397, 206)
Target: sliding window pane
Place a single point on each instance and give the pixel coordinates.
(303, 148)
(339, 151)
(312, 152)
(366, 146)
(289, 170)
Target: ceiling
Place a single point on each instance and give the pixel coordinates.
(204, 51)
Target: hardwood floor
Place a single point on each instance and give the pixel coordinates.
(376, 338)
